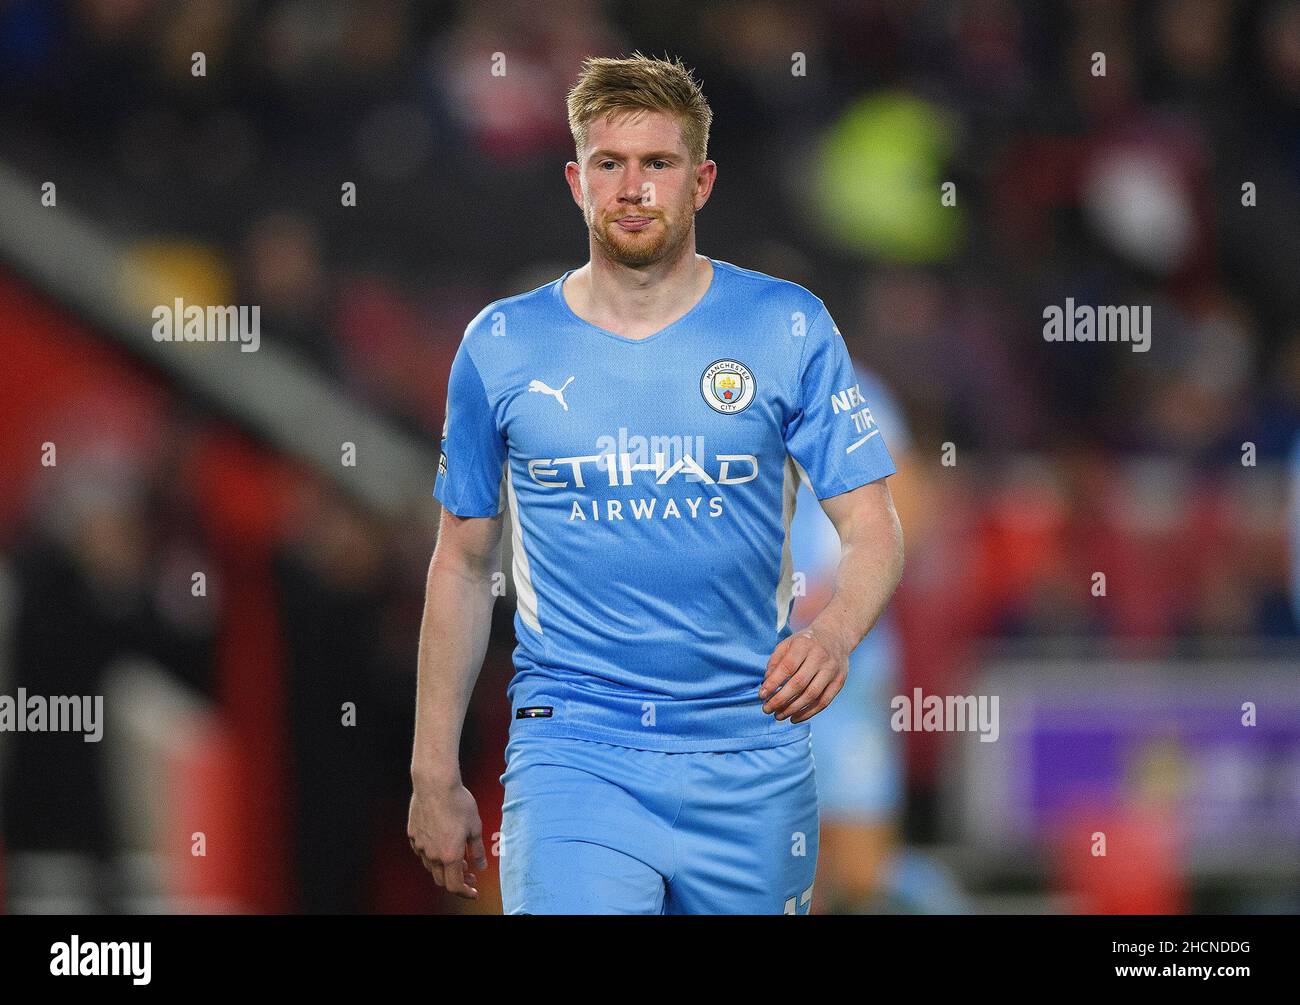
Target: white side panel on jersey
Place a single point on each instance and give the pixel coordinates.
(803, 475)
(525, 595)
(792, 473)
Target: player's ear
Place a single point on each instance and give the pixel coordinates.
(573, 175)
(705, 176)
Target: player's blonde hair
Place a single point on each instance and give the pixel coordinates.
(640, 83)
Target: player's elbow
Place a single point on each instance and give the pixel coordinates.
(467, 547)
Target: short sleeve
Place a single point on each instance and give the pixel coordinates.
(833, 436)
(473, 450)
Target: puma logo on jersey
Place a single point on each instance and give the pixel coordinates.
(558, 395)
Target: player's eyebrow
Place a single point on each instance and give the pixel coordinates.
(654, 155)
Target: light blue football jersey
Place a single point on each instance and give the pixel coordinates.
(651, 484)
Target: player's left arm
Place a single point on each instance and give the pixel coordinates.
(808, 669)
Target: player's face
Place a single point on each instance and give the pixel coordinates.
(639, 188)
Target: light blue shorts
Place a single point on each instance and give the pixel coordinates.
(594, 828)
(860, 775)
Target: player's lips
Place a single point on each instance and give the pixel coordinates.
(634, 222)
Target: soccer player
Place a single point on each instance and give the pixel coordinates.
(647, 419)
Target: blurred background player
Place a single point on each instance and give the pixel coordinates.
(863, 866)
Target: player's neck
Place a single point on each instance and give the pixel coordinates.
(636, 303)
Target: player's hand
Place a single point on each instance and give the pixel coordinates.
(804, 675)
(445, 831)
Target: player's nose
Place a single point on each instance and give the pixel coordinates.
(633, 186)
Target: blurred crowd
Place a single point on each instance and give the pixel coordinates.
(1125, 188)
(1171, 180)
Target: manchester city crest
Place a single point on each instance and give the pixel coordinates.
(727, 386)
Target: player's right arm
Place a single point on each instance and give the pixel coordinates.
(444, 826)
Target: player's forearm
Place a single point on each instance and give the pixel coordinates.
(453, 641)
(871, 564)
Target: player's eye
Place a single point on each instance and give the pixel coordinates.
(604, 164)
(662, 163)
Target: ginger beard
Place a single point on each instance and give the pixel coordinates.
(653, 243)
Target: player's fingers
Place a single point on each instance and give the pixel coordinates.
(799, 666)
(777, 671)
(794, 688)
(808, 696)
(455, 875)
(424, 859)
(477, 853)
(811, 680)
(818, 696)
(787, 666)
(790, 689)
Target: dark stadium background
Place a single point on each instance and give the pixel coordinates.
(1120, 713)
